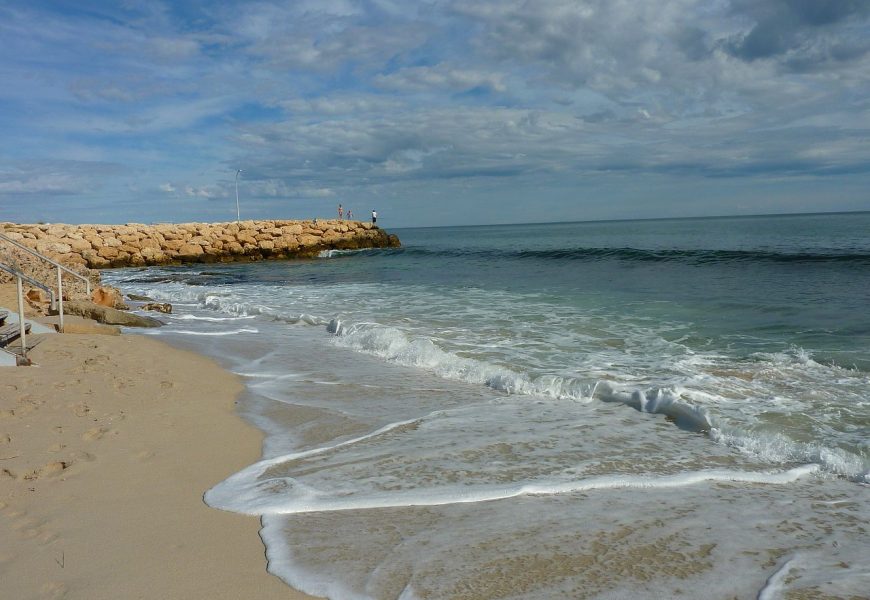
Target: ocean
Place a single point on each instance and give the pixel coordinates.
(656, 409)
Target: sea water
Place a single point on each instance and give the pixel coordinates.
(669, 408)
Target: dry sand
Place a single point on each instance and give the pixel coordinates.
(106, 447)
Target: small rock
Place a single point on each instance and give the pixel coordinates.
(163, 307)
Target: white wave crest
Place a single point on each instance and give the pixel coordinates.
(395, 346)
(249, 492)
(190, 317)
(217, 333)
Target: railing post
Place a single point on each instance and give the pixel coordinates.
(33, 252)
(21, 323)
(60, 298)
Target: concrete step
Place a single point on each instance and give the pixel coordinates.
(7, 359)
(35, 327)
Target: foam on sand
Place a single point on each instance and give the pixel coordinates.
(254, 491)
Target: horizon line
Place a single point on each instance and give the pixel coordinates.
(625, 220)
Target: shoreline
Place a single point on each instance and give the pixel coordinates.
(107, 447)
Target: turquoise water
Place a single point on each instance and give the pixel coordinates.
(464, 401)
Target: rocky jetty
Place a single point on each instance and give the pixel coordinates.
(133, 244)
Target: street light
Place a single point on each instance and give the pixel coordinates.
(238, 219)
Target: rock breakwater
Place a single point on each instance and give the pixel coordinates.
(133, 244)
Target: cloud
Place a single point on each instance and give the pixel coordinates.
(343, 105)
(208, 191)
(350, 98)
(316, 193)
(804, 32)
(440, 77)
(320, 37)
(53, 177)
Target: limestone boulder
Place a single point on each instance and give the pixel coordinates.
(78, 245)
(109, 296)
(233, 247)
(108, 252)
(190, 251)
(108, 315)
(94, 260)
(36, 296)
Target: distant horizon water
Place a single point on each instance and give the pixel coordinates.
(384, 220)
(600, 409)
(628, 219)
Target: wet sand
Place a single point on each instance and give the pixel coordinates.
(106, 447)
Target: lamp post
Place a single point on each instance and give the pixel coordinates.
(238, 218)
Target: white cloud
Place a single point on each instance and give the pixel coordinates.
(441, 76)
(209, 191)
(45, 183)
(343, 105)
(53, 177)
(316, 193)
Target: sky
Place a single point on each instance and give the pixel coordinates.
(433, 112)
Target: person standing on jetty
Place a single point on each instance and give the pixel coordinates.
(340, 212)
(374, 217)
(349, 214)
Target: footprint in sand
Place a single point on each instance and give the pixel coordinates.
(53, 590)
(79, 456)
(145, 455)
(46, 537)
(51, 469)
(94, 434)
(94, 363)
(120, 383)
(80, 409)
(22, 522)
(26, 405)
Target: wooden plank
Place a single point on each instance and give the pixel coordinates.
(11, 332)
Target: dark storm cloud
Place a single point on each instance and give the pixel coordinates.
(814, 31)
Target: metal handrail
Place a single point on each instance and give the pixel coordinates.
(55, 303)
(18, 244)
(19, 277)
(34, 282)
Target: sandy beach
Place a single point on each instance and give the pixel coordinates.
(106, 447)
